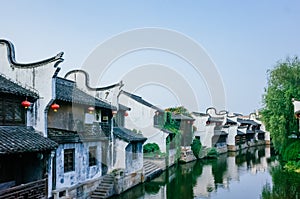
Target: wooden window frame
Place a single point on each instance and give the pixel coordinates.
(69, 160)
(92, 156)
(11, 105)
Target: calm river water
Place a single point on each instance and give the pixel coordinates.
(248, 174)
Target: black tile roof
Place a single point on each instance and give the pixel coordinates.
(247, 121)
(249, 131)
(215, 119)
(62, 136)
(219, 132)
(67, 91)
(259, 131)
(240, 132)
(10, 87)
(141, 100)
(181, 117)
(163, 129)
(200, 114)
(229, 121)
(20, 139)
(89, 134)
(128, 135)
(124, 108)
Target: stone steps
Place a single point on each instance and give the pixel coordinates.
(105, 188)
(151, 170)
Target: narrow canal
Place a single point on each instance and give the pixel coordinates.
(248, 174)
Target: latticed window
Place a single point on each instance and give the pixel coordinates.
(69, 160)
(11, 111)
(92, 156)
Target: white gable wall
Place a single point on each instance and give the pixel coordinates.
(141, 118)
(200, 124)
(39, 79)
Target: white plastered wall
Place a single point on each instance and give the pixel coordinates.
(38, 79)
(141, 118)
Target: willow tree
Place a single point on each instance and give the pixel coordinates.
(278, 111)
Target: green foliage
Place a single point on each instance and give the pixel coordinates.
(174, 126)
(212, 153)
(178, 145)
(171, 125)
(292, 152)
(151, 148)
(292, 166)
(278, 112)
(267, 192)
(179, 110)
(284, 185)
(196, 147)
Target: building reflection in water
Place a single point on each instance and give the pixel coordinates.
(202, 178)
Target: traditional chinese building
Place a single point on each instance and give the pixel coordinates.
(25, 151)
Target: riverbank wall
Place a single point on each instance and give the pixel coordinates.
(125, 182)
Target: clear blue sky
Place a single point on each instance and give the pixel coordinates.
(243, 38)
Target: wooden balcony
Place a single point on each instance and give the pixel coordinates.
(37, 189)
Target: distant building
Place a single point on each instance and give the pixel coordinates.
(226, 131)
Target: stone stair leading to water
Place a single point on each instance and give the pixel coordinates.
(151, 170)
(105, 188)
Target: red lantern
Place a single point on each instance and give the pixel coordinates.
(91, 109)
(126, 114)
(55, 107)
(26, 104)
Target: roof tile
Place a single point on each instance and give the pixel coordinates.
(128, 135)
(10, 87)
(66, 90)
(20, 139)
